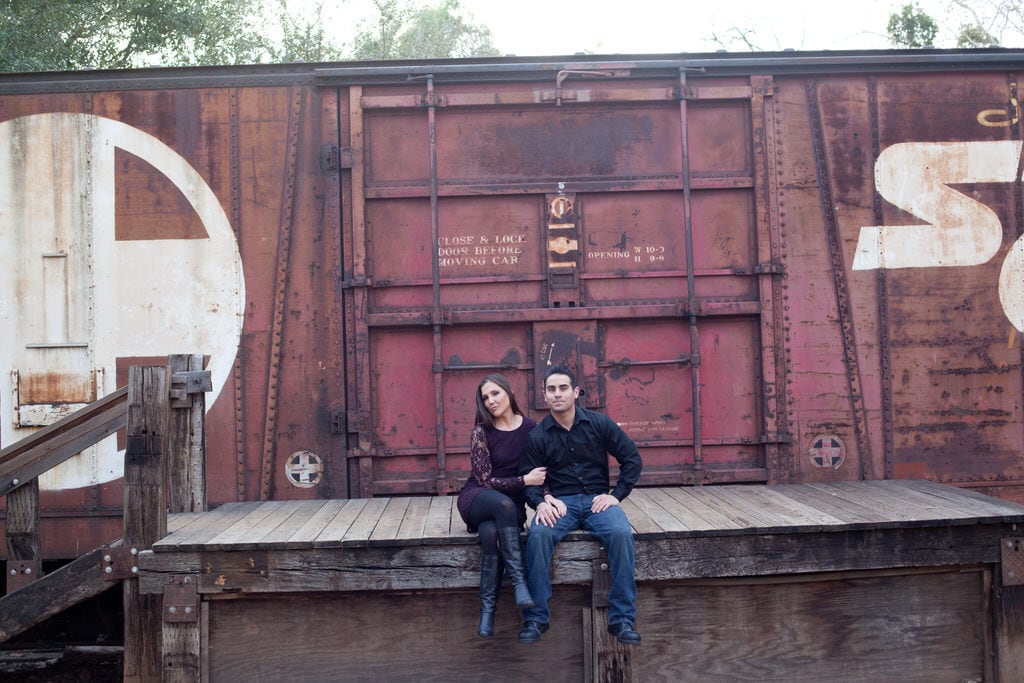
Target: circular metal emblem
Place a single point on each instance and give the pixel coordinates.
(560, 206)
(827, 451)
(304, 469)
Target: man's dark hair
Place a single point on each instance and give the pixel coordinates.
(561, 370)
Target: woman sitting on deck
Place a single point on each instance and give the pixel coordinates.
(491, 501)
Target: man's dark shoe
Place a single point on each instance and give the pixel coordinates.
(623, 631)
(531, 631)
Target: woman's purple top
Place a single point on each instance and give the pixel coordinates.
(494, 463)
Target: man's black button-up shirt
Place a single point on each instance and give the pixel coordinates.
(577, 459)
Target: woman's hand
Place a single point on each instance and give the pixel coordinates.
(535, 477)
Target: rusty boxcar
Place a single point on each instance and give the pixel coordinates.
(771, 268)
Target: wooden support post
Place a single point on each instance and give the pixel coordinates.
(23, 560)
(186, 461)
(145, 512)
(181, 630)
(610, 660)
(186, 479)
(1009, 611)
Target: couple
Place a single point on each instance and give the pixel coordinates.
(564, 461)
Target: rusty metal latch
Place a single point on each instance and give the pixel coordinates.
(181, 600)
(119, 563)
(1012, 561)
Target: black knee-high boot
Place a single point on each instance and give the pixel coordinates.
(490, 581)
(512, 553)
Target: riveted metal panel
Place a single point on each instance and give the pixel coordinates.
(739, 275)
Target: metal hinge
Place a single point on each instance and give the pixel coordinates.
(338, 421)
(351, 283)
(334, 158)
(770, 268)
(775, 437)
(433, 99)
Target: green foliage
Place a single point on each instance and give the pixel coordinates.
(912, 28)
(975, 36)
(304, 38)
(74, 34)
(423, 33)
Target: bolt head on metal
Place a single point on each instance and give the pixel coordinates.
(107, 558)
(604, 566)
(108, 570)
(188, 610)
(172, 609)
(135, 570)
(28, 570)
(14, 572)
(15, 482)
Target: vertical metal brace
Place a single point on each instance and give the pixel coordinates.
(181, 600)
(600, 582)
(438, 315)
(563, 252)
(691, 281)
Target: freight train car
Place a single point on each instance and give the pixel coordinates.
(771, 268)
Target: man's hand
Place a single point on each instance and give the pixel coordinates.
(603, 502)
(548, 513)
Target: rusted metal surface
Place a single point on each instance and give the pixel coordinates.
(768, 269)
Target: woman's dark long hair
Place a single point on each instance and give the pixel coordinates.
(483, 416)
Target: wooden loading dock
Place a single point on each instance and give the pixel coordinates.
(862, 581)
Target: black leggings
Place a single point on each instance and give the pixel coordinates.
(492, 510)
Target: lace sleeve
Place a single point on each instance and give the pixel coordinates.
(480, 462)
(479, 456)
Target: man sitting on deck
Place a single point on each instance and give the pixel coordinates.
(574, 443)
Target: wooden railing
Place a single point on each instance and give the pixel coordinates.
(162, 410)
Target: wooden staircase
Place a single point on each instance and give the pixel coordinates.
(162, 408)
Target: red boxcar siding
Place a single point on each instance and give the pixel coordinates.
(687, 241)
(519, 282)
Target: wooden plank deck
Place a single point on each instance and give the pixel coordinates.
(729, 577)
(656, 513)
(681, 533)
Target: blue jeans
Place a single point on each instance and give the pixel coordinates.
(612, 528)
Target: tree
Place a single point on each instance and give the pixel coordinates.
(304, 37)
(912, 28)
(979, 22)
(974, 35)
(733, 35)
(435, 32)
(40, 35)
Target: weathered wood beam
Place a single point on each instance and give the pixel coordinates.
(145, 512)
(43, 450)
(24, 563)
(186, 455)
(59, 590)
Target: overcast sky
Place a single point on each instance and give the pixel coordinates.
(561, 27)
